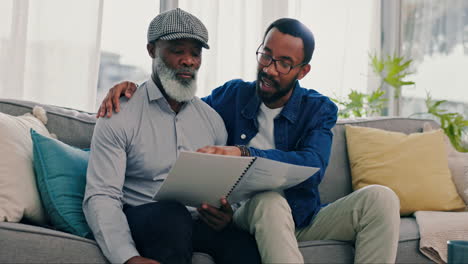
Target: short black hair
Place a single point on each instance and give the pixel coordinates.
(295, 28)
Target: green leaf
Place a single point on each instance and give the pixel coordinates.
(393, 70)
(376, 96)
(453, 124)
(377, 64)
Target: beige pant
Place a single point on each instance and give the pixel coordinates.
(369, 217)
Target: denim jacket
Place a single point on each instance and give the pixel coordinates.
(302, 133)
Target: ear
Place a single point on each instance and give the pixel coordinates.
(151, 49)
(304, 71)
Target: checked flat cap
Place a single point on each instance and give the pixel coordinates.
(177, 24)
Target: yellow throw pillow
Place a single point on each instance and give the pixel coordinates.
(414, 166)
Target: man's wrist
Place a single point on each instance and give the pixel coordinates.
(245, 152)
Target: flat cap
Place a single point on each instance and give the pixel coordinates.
(177, 24)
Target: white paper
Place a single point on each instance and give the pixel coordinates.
(198, 178)
(266, 175)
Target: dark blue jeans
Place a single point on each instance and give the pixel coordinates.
(164, 231)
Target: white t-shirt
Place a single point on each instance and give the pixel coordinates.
(265, 138)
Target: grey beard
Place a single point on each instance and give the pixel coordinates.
(179, 90)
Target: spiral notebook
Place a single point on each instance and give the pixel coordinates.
(198, 178)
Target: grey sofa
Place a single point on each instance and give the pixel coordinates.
(25, 243)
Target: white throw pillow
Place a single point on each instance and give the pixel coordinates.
(458, 165)
(18, 192)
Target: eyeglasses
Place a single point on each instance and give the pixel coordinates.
(281, 66)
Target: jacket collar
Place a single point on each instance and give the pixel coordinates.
(290, 110)
(251, 108)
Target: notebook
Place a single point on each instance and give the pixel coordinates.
(198, 178)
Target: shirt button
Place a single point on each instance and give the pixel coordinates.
(243, 136)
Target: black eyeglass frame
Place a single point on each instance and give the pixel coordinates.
(272, 60)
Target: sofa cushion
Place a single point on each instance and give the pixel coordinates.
(71, 126)
(18, 192)
(61, 180)
(415, 166)
(22, 243)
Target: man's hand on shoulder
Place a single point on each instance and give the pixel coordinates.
(218, 219)
(141, 260)
(221, 150)
(111, 101)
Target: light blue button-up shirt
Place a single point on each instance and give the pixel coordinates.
(131, 155)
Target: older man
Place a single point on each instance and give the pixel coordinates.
(132, 153)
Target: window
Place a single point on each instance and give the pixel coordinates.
(123, 43)
(434, 34)
(346, 32)
(48, 51)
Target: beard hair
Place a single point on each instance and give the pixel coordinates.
(175, 88)
(271, 98)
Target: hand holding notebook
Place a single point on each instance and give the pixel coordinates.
(198, 178)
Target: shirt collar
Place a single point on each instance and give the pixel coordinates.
(153, 91)
(290, 110)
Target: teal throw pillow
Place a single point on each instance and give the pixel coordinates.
(61, 180)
